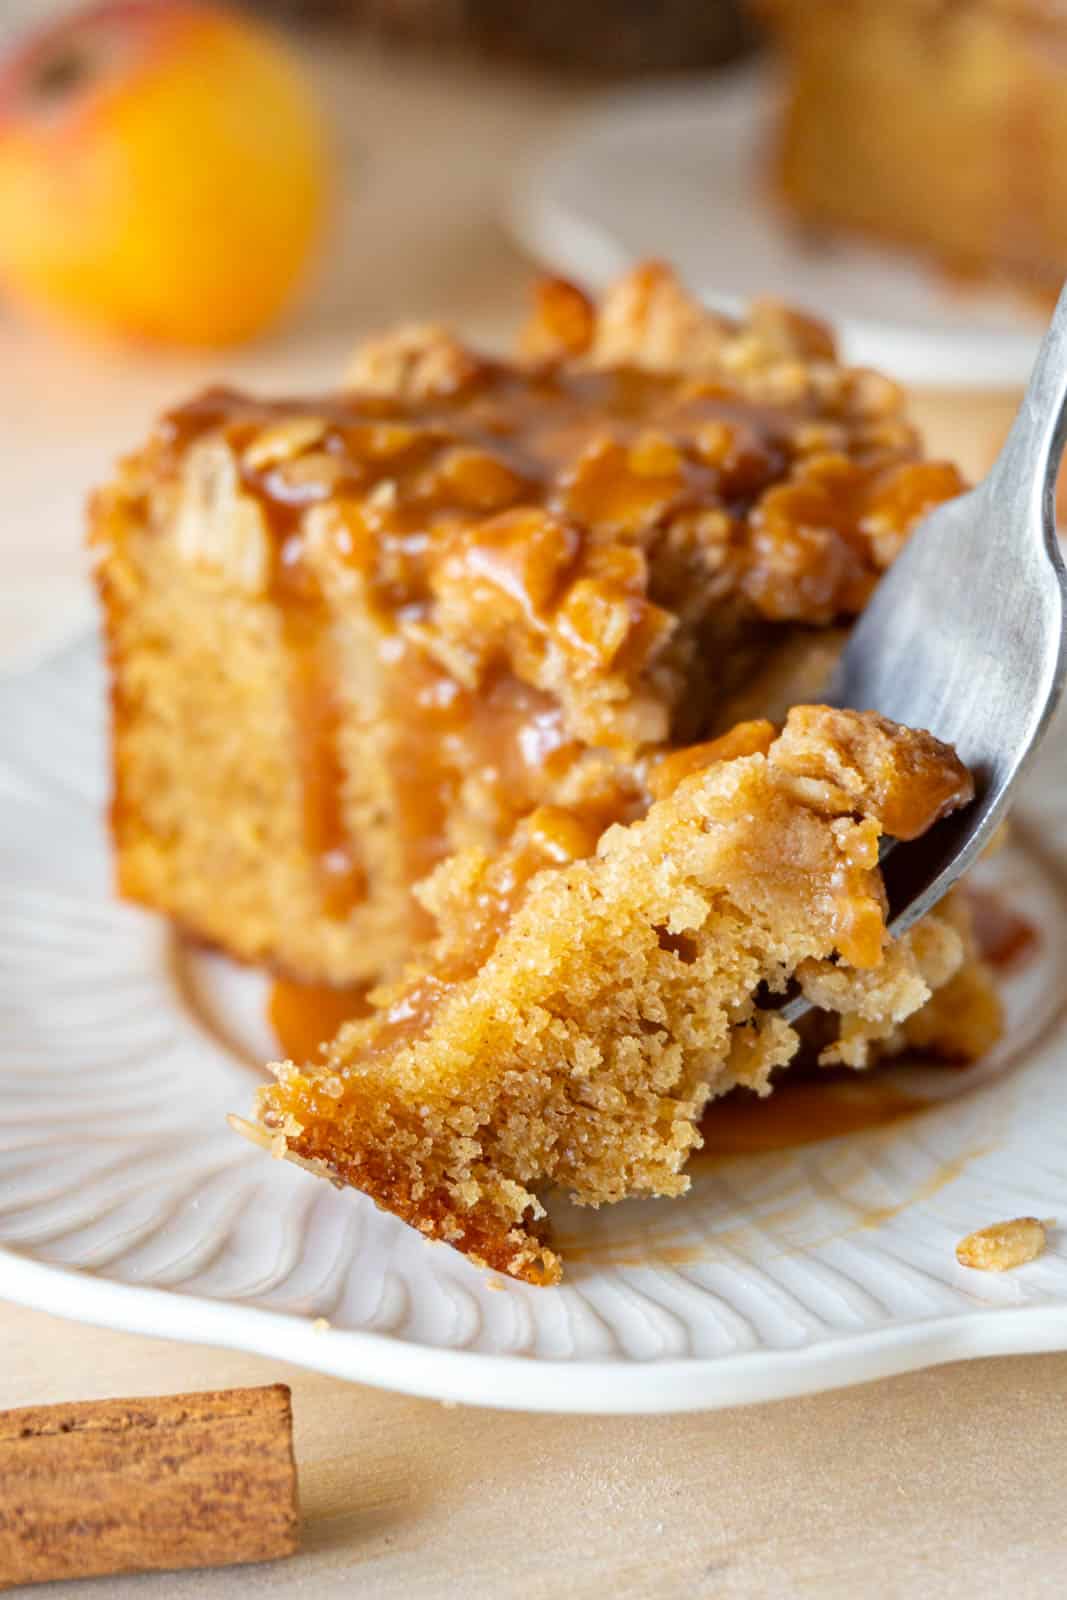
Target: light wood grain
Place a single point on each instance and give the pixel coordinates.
(948, 1483)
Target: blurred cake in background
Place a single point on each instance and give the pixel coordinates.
(600, 36)
(936, 124)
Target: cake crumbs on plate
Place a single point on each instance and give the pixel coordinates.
(1003, 1245)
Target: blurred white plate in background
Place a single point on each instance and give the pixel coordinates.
(681, 172)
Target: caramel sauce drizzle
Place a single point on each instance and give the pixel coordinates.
(802, 1110)
(305, 1016)
(316, 721)
(608, 455)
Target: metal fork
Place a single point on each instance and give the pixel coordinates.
(965, 636)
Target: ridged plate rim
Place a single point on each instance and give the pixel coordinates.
(624, 1383)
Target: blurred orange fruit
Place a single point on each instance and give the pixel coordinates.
(163, 171)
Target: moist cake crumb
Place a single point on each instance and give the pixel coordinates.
(572, 1017)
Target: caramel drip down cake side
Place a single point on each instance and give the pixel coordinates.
(573, 1016)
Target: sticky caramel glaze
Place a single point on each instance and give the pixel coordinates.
(547, 512)
(316, 722)
(307, 1015)
(744, 739)
(802, 1110)
(508, 733)
(702, 444)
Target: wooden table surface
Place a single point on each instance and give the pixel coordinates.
(950, 1482)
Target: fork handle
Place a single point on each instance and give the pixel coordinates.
(1026, 469)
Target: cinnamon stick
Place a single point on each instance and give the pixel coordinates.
(106, 1486)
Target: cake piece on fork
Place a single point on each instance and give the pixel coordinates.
(584, 999)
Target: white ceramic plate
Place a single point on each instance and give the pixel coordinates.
(680, 173)
(125, 1199)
